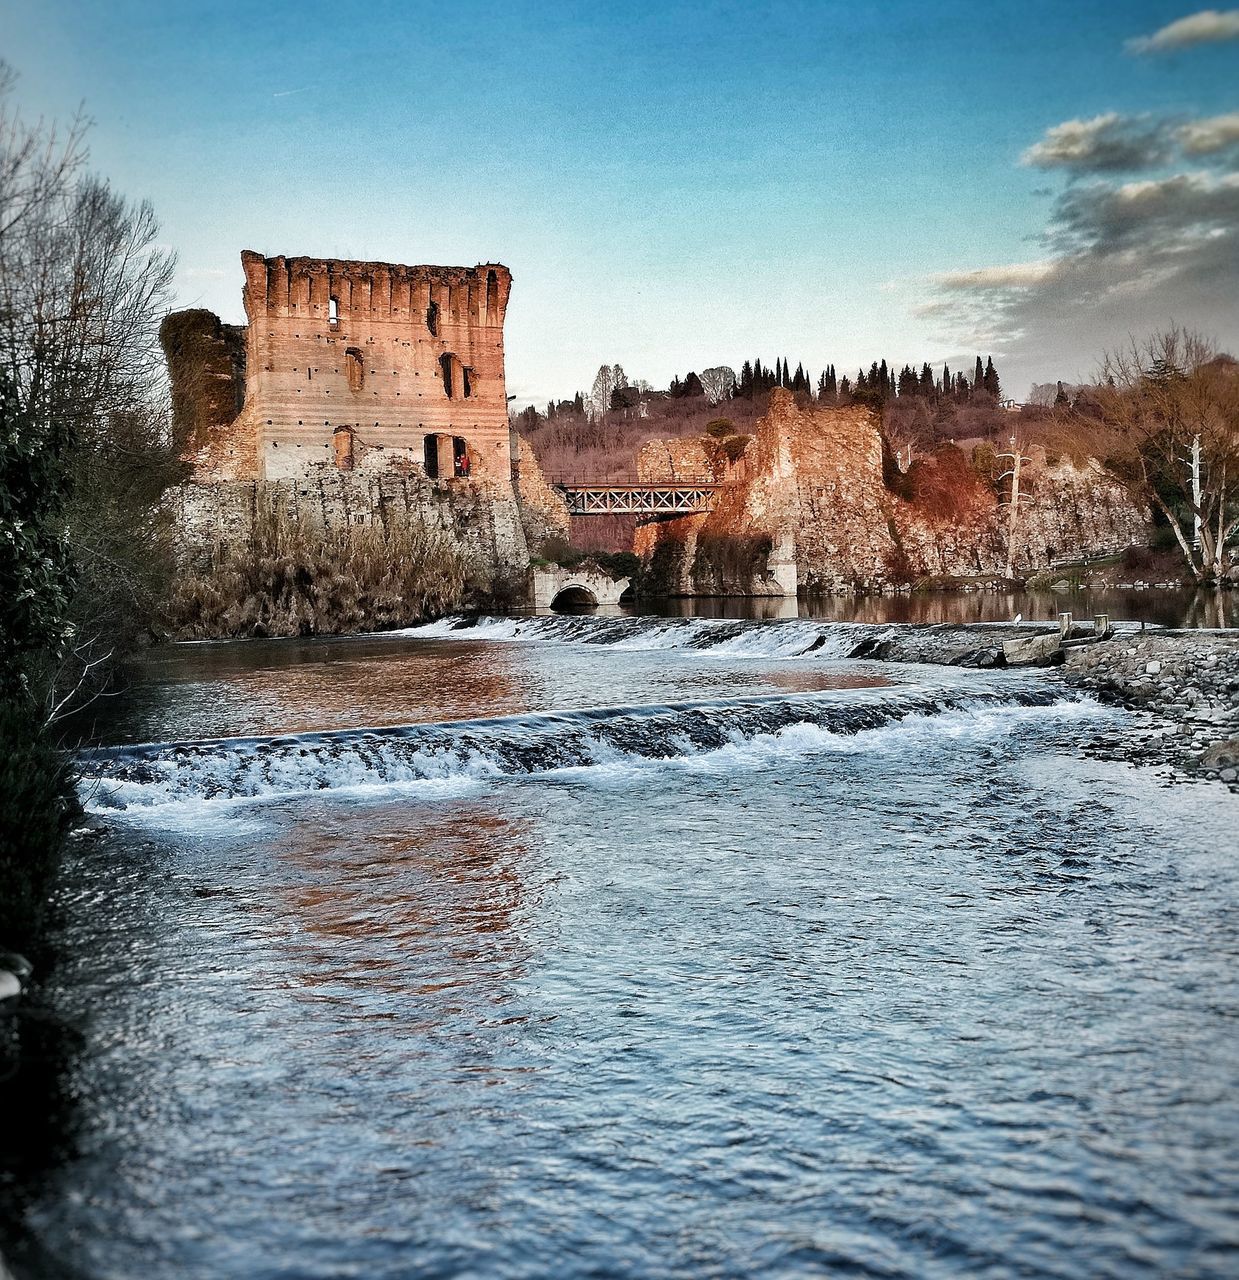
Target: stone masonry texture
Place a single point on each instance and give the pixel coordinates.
(810, 487)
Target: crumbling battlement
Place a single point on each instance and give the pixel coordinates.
(343, 358)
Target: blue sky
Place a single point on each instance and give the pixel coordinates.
(675, 186)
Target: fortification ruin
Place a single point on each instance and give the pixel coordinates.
(359, 393)
(346, 365)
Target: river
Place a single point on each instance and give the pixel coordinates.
(634, 947)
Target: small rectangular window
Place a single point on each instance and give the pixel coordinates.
(333, 312)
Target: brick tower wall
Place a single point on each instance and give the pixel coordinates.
(352, 360)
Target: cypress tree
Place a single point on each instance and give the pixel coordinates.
(978, 378)
(992, 385)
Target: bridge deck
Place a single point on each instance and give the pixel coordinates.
(638, 499)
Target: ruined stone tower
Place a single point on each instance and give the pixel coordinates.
(361, 364)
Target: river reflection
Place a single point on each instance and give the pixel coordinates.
(432, 905)
(195, 691)
(1167, 608)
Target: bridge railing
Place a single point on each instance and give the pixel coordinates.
(636, 498)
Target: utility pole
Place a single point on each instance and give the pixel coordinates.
(1017, 460)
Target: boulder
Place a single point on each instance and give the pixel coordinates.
(1042, 649)
(978, 658)
(1221, 755)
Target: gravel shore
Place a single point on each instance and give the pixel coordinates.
(1185, 684)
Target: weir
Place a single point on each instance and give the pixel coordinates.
(151, 776)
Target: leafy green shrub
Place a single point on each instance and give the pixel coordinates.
(720, 428)
(736, 446)
(560, 552)
(619, 564)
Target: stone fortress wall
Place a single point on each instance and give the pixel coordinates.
(358, 392)
(349, 357)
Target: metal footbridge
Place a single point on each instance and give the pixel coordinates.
(654, 501)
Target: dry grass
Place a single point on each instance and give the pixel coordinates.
(290, 578)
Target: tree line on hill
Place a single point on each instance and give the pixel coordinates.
(612, 392)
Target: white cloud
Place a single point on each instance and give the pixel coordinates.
(1121, 258)
(1209, 26)
(1015, 275)
(1106, 143)
(1202, 137)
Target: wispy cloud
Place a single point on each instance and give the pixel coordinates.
(1106, 143)
(1209, 26)
(1120, 258)
(1015, 275)
(288, 93)
(1205, 137)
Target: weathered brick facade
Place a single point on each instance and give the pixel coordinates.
(347, 359)
(372, 393)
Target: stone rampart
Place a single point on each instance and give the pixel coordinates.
(807, 507)
(477, 514)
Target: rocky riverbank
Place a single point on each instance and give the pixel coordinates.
(1183, 685)
(1186, 687)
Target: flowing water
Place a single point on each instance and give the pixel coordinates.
(636, 947)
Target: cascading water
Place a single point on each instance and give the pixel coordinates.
(159, 774)
(619, 946)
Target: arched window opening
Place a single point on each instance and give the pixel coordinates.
(333, 312)
(432, 319)
(342, 440)
(430, 456)
(355, 368)
(574, 600)
(466, 381)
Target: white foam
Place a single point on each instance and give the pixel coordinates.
(164, 784)
(750, 639)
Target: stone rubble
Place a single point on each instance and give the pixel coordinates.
(1185, 685)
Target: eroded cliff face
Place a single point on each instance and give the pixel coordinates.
(806, 507)
(543, 512)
